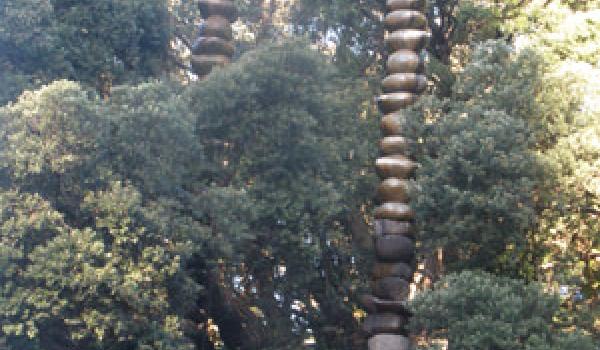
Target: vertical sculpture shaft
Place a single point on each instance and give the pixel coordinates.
(214, 44)
(407, 36)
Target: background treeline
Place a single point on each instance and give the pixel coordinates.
(141, 209)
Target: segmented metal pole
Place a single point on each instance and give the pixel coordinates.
(214, 45)
(406, 37)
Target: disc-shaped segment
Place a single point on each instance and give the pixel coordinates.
(394, 248)
(393, 190)
(389, 342)
(225, 8)
(393, 5)
(405, 61)
(397, 166)
(218, 26)
(374, 304)
(398, 269)
(394, 124)
(391, 288)
(405, 19)
(395, 145)
(394, 211)
(385, 323)
(203, 64)
(412, 82)
(393, 227)
(407, 39)
(395, 101)
(213, 46)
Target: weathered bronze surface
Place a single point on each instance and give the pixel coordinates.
(218, 26)
(416, 83)
(391, 288)
(389, 342)
(396, 100)
(394, 231)
(405, 19)
(394, 145)
(225, 8)
(393, 5)
(203, 64)
(393, 227)
(374, 304)
(393, 124)
(394, 211)
(397, 166)
(407, 39)
(396, 269)
(393, 190)
(405, 61)
(395, 248)
(214, 46)
(385, 323)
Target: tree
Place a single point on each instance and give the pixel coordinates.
(99, 43)
(476, 310)
(283, 127)
(177, 209)
(102, 271)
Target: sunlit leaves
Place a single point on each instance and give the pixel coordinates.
(475, 310)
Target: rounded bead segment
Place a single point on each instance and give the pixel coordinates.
(394, 227)
(225, 8)
(405, 19)
(394, 124)
(385, 323)
(396, 100)
(387, 341)
(394, 211)
(394, 248)
(218, 26)
(405, 61)
(407, 39)
(393, 5)
(397, 166)
(394, 239)
(393, 190)
(391, 288)
(214, 46)
(415, 83)
(394, 145)
(398, 269)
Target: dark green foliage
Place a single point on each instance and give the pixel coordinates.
(478, 172)
(476, 190)
(127, 39)
(136, 221)
(94, 42)
(144, 215)
(97, 273)
(475, 310)
(284, 128)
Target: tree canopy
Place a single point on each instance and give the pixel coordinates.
(143, 209)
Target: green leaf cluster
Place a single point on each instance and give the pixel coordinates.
(476, 310)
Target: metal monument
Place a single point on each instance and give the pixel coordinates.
(406, 38)
(214, 45)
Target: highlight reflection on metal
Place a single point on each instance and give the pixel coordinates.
(407, 36)
(214, 44)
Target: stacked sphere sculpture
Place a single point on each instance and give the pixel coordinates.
(407, 36)
(214, 45)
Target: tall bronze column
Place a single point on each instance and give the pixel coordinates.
(214, 44)
(406, 38)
